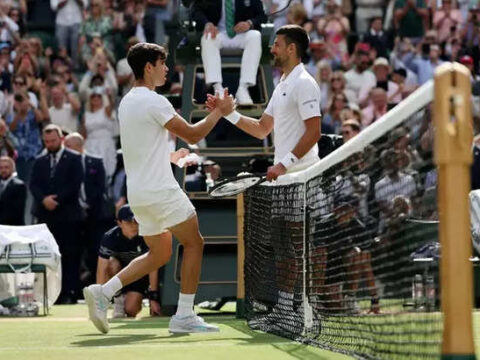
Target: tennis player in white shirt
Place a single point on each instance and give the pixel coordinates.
(160, 206)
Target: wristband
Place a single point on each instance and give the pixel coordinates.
(153, 295)
(233, 117)
(288, 160)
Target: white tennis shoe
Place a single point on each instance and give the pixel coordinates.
(190, 324)
(97, 306)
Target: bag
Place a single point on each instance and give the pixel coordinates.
(23, 246)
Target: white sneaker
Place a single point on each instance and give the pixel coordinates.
(243, 96)
(190, 324)
(97, 306)
(218, 88)
(119, 307)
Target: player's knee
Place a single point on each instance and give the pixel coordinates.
(132, 309)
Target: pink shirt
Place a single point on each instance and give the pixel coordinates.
(443, 28)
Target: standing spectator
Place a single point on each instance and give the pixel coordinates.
(323, 76)
(99, 130)
(6, 70)
(238, 28)
(8, 142)
(446, 20)
(471, 35)
(13, 194)
(411, 17)
(23, 123)
(377, 38)
(93, 202)
(55, 185)
(399, 77)
(8, 28)
(96, 23)
(19, 85)
(100, 74)
(360, 78)
(367, 10)
(377, 108)
(338, 86)
(68, 20)
(65, 109)
(334, 27)
(424, 64)
(157, 13)
(17, 15)
(332, 123)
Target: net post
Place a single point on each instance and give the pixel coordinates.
(453, 157)
(240, 312)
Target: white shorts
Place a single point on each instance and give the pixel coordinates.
(173, 208)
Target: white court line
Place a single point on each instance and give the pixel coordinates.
(200, 343)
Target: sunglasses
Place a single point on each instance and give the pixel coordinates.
(19, 83)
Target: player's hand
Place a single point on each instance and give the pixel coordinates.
(241, 27)
(155, 309)
(177, 155)
(275, 171)
(50, 202)
(226, 104)
(210, 30)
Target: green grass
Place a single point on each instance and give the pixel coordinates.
(66, 334)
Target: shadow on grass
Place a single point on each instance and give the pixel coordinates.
(116, 340)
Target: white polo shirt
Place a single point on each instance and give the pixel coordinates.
(146, 154)
(295, 99)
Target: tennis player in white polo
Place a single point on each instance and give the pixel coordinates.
(160, 206)
(294, 114)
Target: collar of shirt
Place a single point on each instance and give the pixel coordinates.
(374, 33)
(59, 153)
(7, 181)
(296, 71)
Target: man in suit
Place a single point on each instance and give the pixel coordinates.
(13, 194)
(230, 24)
(98, 219)
(55, 185)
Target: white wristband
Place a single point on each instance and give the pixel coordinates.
(233, 117)
(288, 160)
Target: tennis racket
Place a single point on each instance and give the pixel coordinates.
(236, 185)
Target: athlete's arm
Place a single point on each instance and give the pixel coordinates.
(193, 133)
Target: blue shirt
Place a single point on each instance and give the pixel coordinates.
(422, 67)
(28, 136)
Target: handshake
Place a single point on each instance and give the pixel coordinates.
(224, 103)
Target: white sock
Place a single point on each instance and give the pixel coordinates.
(111, 287)
(185, 305)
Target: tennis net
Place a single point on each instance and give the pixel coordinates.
(344, 255)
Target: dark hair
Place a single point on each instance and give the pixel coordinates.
(20, 96)
(297, 35)
(142, 53)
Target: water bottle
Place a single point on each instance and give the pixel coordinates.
(209, 181)
(430, 292)
(417, 292)
(26, 305)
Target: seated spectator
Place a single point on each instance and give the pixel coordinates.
(399, 77)
(65, 109)
(411, 17)
(119, 247)
(377, 38)
(334, 27)
(377, 108)
(360, 77)
(23, 123)
(8, 142)
(93, 49)
(381, 70)
(332, 123)
(238, 28)
(320, 51)
(6, 68)
(98, 128)
(446, 20)
(338, 86)
(470, 34)
(424, 64)
(367, 10)
(350, 129)
(37, 53)
(13, 194)
(68, 21)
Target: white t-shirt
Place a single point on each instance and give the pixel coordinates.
(143, 114)
(64, 117)
(295, 99)
(360, 82)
